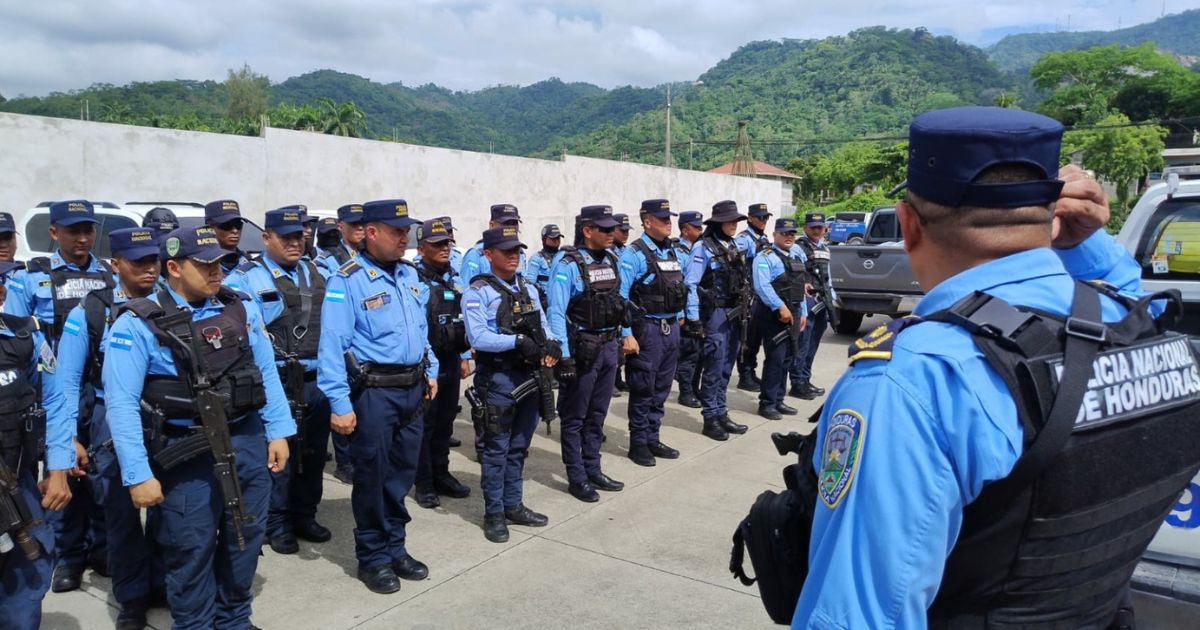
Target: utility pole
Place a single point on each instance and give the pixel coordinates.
(667, 155)
(691, 146)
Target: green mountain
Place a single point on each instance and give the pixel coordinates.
(1178, 34)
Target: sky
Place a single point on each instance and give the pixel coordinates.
(58, 45)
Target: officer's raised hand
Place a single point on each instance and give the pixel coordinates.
(629, 345)
(56, 494)
(146, 494)
(1081, 210)
(277, 454)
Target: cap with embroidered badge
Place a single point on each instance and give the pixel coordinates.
(759, 211)
(948, 149)
(198, 243)
(725, 212)
(600, 216)
(505, 213)
(660, 208)
(284, 221)
(350, 213)
(691, 217)
(623, 220)
(503, 238)
(72, 212)
(221, 211)
(7, 225)
(393, 212)
(433, 231)
(551, 230)
(814, 219)
(133, 243)
(784, 225)
(326, 225)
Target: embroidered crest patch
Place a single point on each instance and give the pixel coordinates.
(842, 452)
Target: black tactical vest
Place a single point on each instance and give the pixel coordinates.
(600, 305)
(517, 314)
(97, 314)
(817, 263)
(544, 278)
(339, 254)
(789, 285)
(666, 293)
(67, 289)
(723, 287)
(1054, 544)
(298, 329)
(226, 358)
(17, 394)
(447, 330)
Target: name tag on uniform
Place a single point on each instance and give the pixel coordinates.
(668, 265)
(820, 255)
(268, 295)
(376, 301)
(76, 288)
(601, 274)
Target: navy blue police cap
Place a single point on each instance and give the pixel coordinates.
(599, 216)
(725, 212)
(133, 243)
(327, 225)
(691, 217)
(351, 213)
(505, 213)
(624, 221)
(660, 208)
(551, 230)
(393, 212)
(7, 225)
(449, 223)
(948, 149)
(284, 221)
(504, 238)
(433, 231)
(221, 211)
(72, 212)
(759, 210)
(814, 219)
(198, 243)
(784, 225)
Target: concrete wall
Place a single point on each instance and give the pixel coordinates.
(49, 158)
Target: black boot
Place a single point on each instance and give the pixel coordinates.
(494, 527)
(713, 429)
(426, 496)
(133, 614)
(786, 409)
(689, 400)
(800, 391)
(66, 577)
(768, 412)
(447, 485)
(658, 449)
(284, 543)
(747, 384)
(641, 455)
(522, 515)
(730, 426)
(819, 391)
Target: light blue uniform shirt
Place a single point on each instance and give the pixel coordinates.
(329, 264)
(565, 284)
(634, 265)
(538, 271)
(768, 266)
(73, 351)
(479, 312)
(378, 316)
(939, 424)
(30, 293)
(60, 428)
(748, 240)
(474, 263)
(131, 353)
(700, 262)
(258, 282)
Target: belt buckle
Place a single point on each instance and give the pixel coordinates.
(665, 324)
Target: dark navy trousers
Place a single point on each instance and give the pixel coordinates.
(79, 527)
(687, 370)
(722, 338)
(384, 448)
(503, 454)
(295, 495)
(748, 356)
(778, 358)
(650, 373)
(810, 340)
(209, 578)
(582, 406)
(24, 583)
(439, 421)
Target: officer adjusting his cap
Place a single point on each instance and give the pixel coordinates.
(132, 559)
(474, 262)
(289, 291)
(512, 340)
(820, 301)
(538, 270)
(780, 314)
(687, 372)
(718, 300)
(199, 422)
(47, 289)
(350, 227)
(983, 432)
(587, 311)
(8, 252)
(30, 412)
(448, 340)
(379, 372)
(652, 281)
(224, 216)
(752, 240)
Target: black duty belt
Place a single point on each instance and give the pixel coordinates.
(388, 375)
(726, 302)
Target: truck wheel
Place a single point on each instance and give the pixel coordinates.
(848, 322)
(854, 240)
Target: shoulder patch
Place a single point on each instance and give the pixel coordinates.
(841, 455)
(335, 296)
(350, 268)
(878, 343)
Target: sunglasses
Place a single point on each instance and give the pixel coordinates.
(606, 230)
(236, 224)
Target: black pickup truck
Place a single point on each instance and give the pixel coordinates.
(873, 278)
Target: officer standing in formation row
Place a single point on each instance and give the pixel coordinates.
(780, 314)
(813, 246)
(687, 371)
(752, 240)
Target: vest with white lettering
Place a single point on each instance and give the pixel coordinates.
(67, 289)
(600, 305)
(666, 293)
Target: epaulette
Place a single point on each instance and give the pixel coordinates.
(41, 263)
(246, 266)
(350, 268)
(878, 343)
(479, 281)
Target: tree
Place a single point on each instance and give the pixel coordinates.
(1084, 83)
(247, 93)
(1119, 153)
(344, 119)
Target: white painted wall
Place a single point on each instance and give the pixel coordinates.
(44, 159)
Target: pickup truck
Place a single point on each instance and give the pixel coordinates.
(848, 227)
(873, 278)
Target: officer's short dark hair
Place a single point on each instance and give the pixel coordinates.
(946, 224)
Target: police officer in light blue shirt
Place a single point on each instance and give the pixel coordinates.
(687, 374)
(922, 425)
(538, 270)
(377, 369)
(350, 227)
(218, 335)
(474, 262)
(8, 251)
(780, 314)
(224, 216)
(80, 358)
(752, 240)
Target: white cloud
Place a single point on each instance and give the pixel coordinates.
(463, 44)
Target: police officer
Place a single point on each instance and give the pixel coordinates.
(28, 388)
(687, 373)
(587, 311)
(135, 578)
(165, 356)
(333, 256)
(310, 235)
(161, 220)
(47, 289)
(652, 280)
(289, 290)
(8, 252)
(504, 324)
(377, 369)
(816, 253)
(474, 262)
(620, 238)
(224, 216)
(718, 296)
(328, 237)
(752, 240)
(779, 313)
(448, 340)
(455, 255)
(538, 270)
(923, 433)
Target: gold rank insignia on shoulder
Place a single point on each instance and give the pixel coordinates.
(878, 343)
(371, 273)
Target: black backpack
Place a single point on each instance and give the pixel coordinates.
(776, 532)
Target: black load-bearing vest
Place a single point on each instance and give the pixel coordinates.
(17, 395)
(97, 315)
(517, 314)
(67, 288)
(666, 293)
(600, 305)
(817, 263)
(789, 285)
(225, 356)
(297, 330)
(447, 330)
(724, 286)
(339, 254)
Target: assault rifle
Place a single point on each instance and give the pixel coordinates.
(293, 384)
(15, 518)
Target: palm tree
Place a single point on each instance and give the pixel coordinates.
(345, 119)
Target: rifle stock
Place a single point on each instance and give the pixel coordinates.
(17, 519)
(294, 380)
